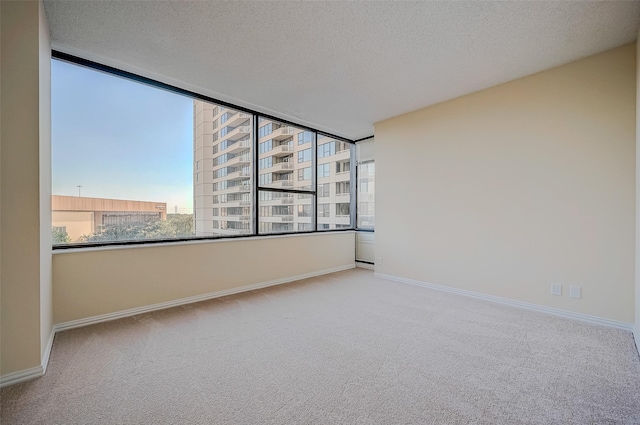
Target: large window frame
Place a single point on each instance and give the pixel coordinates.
(255, 190)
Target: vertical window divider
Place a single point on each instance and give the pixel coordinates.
(314, 181)
(353, 185)
(255, 192)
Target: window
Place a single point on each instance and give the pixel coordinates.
(343, 188)
(327, 149)
(304, 156)
(305, 137)
(343, 166)
(366, 195)
(304, 210)
(202, 165)
(323, 190)
(265, 130)
(323, 170)
(265, 162)
(304, 174)
(342, 209)
(323, 210)
(334, 170)
(265, 179)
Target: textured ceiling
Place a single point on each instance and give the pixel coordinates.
(338, 66)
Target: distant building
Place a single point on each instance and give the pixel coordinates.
(224, 175)
(80, 216)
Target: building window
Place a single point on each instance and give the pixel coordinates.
(323, 210)
(342, 209)
(327, 149)
(265, 130)
(323, 190)
(304, 156)
(343, 166)
(323, 170)
(305, 137)
(265, 146)
(343, 188)
(304, 174)
(304, 210)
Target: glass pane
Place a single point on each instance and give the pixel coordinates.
(224, 143)
(334, 184)
(123, 165)
(366, 195)
(285, 212)
(284, 156)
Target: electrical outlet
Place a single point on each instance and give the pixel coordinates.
(556, 289)
(575, 291)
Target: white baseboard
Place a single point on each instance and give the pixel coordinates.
(21, 376)
(38, 371)
(47, 351)
(174, 303)
(535, 307)
(636, 337)
(32, 373)
(365, 265)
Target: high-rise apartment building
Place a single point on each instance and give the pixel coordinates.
(224, 174)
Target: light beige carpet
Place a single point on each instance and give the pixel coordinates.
(344, 348)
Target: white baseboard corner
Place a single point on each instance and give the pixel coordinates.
(32, 373)
(182, 301)
(367, 266)
(513, 303)
(636, 337)
(21, 376)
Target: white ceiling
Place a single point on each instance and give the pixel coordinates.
(338, 66)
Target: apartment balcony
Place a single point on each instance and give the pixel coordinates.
(281, 183)
(238, 160)
(238, 132)
(241, 188)
(344, 176)
(343, 197)
(245, 203)
(284, 218)
(285, 200)
(240, 174)
(283, 166)
(237, 147)
(282, 133)
(237, 119)
(235, 218)
(281, 150)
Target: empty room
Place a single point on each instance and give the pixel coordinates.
(341, 212)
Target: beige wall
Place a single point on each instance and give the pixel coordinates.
(510, 189)
(636, 332)
(88, 283)
(25, 187)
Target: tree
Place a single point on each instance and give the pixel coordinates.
(175, 226)
(60, 235)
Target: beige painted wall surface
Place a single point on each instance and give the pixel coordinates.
(44, 105)
(636, 332)
(513, 188)
(22, 273)
(90, 283)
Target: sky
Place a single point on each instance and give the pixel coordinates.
(120, 139)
